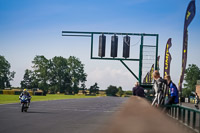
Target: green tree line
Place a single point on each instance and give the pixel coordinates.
(66, 75)
(58, 74)
(192, 74)
(5, 74)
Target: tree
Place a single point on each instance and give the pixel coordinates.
(111, 90)
(29, 81)
(41, 69)
(56, 75)
(192, 74)
(83, 87)
(60, 79)
(94, 89)
(120, 91)
(5, 74)
(76, 72)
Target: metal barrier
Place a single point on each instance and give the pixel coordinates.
(188, 116)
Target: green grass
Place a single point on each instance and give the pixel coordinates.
(4, 99)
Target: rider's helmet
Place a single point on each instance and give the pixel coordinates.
(25, 91)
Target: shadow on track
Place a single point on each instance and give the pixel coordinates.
(38, 112)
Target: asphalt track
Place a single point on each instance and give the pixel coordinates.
(87, 115)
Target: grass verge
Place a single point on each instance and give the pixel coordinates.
(5, 99)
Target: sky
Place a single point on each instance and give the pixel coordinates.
(34, 27)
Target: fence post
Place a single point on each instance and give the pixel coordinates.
(199, 122)
(194, 119)
(188, 121)
(179, 113)
(183, 115)
(175, 112)
(172, 108)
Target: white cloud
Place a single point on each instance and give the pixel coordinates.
(110, 76)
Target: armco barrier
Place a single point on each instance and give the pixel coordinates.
(188, 116)
(8, 92)
(18, 92)
(12, 92)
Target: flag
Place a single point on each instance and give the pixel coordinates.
(151, 74)
(168, 58)
(158, 59)
(147, 78)
(190, 13)
(144, 80)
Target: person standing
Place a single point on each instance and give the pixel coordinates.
(197, 101)
(160, 89)
(173, 92)
(138, 90)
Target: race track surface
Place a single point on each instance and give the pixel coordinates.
(86, 115)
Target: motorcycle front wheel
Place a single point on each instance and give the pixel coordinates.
(22, 109)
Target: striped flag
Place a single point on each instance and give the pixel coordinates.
(168, 58)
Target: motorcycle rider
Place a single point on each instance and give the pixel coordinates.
(160, 88)
(26, 93)
(173, 92)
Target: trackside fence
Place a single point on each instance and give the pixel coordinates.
(187, 116)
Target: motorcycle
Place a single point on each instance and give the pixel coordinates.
(24, 103)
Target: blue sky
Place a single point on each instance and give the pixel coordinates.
(33, 27)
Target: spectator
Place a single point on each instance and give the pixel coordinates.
(138, 90)
(197, 101)
(173, 92)
(160, 89)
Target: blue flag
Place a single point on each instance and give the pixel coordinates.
(190, 13)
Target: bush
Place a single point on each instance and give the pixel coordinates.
(38, 93)
(120, 92)
(111, 91)
(129, 93)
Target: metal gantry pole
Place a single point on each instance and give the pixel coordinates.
(91, 55)
(129, 69)
(156, 65)
(142, 35)
(141, 59)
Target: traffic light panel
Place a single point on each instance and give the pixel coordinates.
(114, 46)
(126, 46)
(102, 45)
